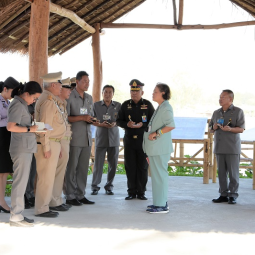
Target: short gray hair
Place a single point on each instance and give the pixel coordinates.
(46, 85)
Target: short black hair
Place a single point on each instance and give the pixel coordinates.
(164, 88)
(230, 93)
(80, 74)
(32, 87)
(108, 86)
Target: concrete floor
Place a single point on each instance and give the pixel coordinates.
(114, 226)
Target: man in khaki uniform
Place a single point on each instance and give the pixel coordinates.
(47, 110)
(65, 141)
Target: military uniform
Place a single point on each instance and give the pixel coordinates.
(136, 165)
(65, 147)
(47, 110)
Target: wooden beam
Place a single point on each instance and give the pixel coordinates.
(72, 16)
(183, 27)
(80, 38)
(38, 40)
(97, 63)
(180, 19)
(175, 11)
(15, 15)
(83, 17)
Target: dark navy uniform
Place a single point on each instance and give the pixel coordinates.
(136, 165)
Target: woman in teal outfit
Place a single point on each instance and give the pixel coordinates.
(157, 144)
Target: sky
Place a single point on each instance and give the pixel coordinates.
(205, 60)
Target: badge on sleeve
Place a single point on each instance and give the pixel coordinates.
(83, 111)
(144, 118)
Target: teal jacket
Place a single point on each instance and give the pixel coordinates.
(162, 117)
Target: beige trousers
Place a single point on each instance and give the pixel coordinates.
(60, 174)
(46, 175)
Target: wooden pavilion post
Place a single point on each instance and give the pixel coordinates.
(98, 73)
(38, 39)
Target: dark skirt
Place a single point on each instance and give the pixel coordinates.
(5, 158)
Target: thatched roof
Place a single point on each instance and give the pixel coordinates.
(63, 33)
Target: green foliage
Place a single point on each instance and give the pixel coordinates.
(8, 187)
(187, 170)
(247, 173)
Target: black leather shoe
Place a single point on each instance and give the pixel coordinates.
(130, 197)
(142, 197)
(24, 223)
(73, 202)
(220, 199)
(59, 208)
(67, 206)
(48, 214)
(4, 210)
(232, 200)
(94, 192)
(109, 192)
(86, 201)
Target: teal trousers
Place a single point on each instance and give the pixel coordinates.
(159, 178)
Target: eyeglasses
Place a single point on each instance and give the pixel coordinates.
(35, 99)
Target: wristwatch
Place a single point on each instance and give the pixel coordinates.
(158, 133)
(28, 129)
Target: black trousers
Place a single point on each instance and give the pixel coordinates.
(136, 165)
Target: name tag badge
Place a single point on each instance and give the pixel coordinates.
(149, 129)
(83, 111)
(144, 118)
(106, 117)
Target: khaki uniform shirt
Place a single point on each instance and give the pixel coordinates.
(62, 106)
(47, 110)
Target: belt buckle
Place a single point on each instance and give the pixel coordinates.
(135, 136)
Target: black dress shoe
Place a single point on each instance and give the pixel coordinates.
(48, 214)
(232, 200)
(94, 192)
(73, 202)
(4, 210)
(130, 197)
(142, 197)
(109, 192)
(220, 199)
(67, 206)
(24, 223)
(59, 208)
(86, 201)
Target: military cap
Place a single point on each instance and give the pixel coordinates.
(66, 83)
(73, 80)
(135, 84)
(11, 83)
(52, 77)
